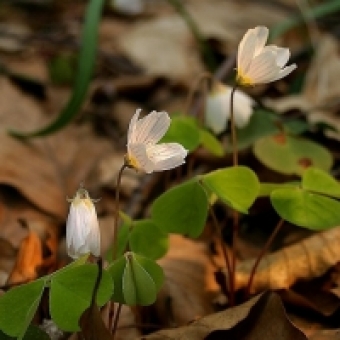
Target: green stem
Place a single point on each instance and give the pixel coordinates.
(262, 253)
(204, 47)
(116, 215)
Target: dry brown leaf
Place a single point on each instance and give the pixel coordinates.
(320, 95)
(29, 259)
(307, 259)
(226, 21)
(263, 317)
(127, 328)
(44, 170)
(189, 278)
(333, 334)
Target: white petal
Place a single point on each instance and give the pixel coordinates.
(261, 33)
(152, 127)
(285, 71)
(281, 54)
(242, 108)
(166, 156)
(263, 68)
(81, 227)
(246, 51)
(138, 152)
(217, 112)
(132, 127)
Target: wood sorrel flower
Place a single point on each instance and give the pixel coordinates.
(217, 110)
(143, 152)
(82, 228)
(260, 64)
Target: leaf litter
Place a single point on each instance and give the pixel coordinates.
(36, 176)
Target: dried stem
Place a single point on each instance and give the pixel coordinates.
(224, 252)
(116, 215)
(115, 324)
(262, 253)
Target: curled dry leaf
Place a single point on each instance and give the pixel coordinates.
(307, 259)
(189, 277)
(29, 259)
(262, 317)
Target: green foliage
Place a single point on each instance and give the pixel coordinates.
(84, 72)
(61, 69)
(306, 209)
(148, 240)
(211, 143)
(137, 279)
(182, 209)
(291, 155)
(316, 180)
(308, 205)
(238, 186)
(71, 293)
(267, 188)
(183, 130)
(18, 306)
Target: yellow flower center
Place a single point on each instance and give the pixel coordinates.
(131, 162)
(243, 80)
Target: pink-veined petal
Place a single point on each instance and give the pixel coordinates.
(152, 127)
(246, 51)
(166, 156)
(132, 127)
(285, 71)
(261, 33)
(263, 68)
(281, 54)
(138, 152)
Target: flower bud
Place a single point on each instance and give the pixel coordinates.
(82, 228)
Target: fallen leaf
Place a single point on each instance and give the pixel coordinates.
(44, 170)
(262, 317)
(307, 259)
(29, 259)
(189, 282)
(223, 20)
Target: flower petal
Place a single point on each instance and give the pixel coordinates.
(285, 71)
(281, 54)
(166, 156)
(152, 127)
(261, 33)
(217, 111)
(263, 68)
(132, 127)
(138, 153)
(246, 51)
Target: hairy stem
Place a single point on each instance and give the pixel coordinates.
(115, 324)
(224, 252)
(262, 253)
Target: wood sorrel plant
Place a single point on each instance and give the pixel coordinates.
(133, 277)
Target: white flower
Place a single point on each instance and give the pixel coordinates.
(217, 110)
(82, 228)
(260, 64)
(143, 152)
(129, 7)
